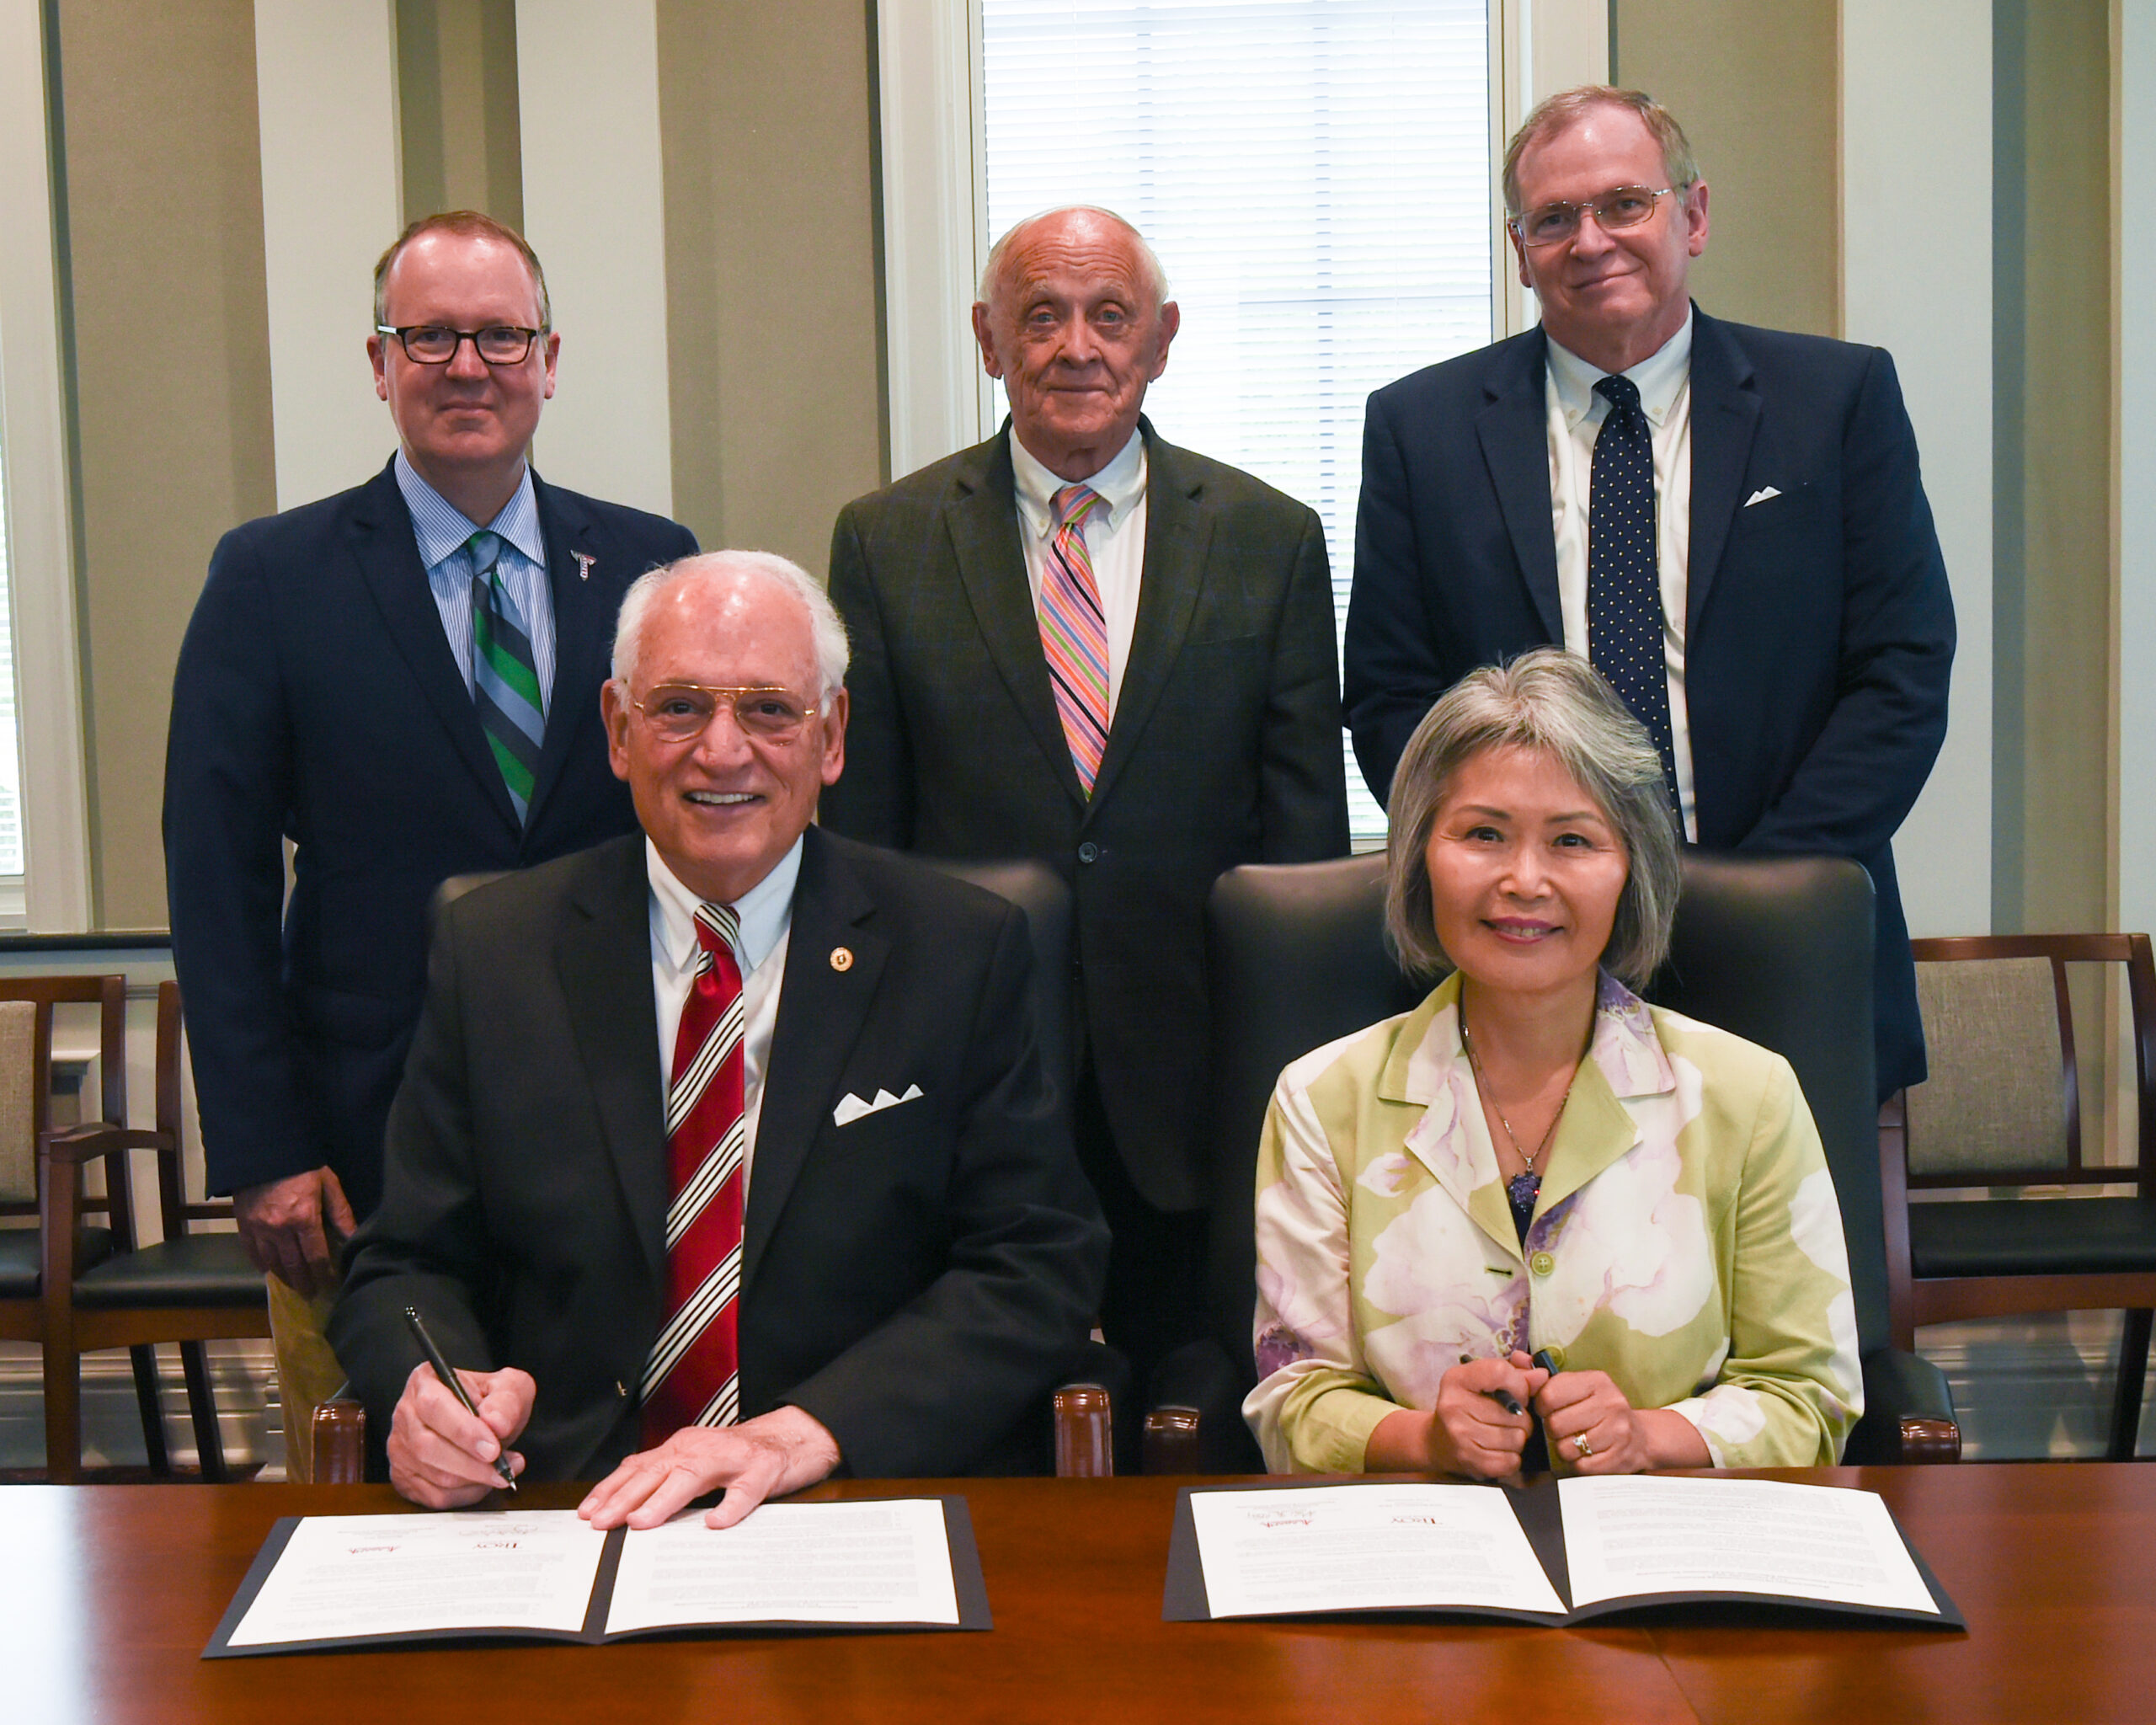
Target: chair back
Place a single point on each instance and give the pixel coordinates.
(1777, 949)
(2002, 1105)
(1043, 895)
(27, 1005)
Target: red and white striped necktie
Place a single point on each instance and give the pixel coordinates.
(1074, 634)
(692, 1377)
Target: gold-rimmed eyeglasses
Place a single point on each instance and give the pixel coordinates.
(681, 712)
(1619, 208)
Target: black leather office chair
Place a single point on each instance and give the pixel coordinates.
(1777, 949)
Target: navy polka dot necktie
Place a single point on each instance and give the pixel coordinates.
(1624, 591)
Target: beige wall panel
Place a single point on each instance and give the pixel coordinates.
(765, 124)
(1757, 89)
(457, 93)
(2066, 439)
(171, 325)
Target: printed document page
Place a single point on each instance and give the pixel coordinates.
(1346, 1548)
(871, 1562)
(1640, 1534)
(366, 1575)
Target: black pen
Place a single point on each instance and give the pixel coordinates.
(1543, 1359)
(447, 1373)
(1504, 1399)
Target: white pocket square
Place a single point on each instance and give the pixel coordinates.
(851, 1107)
(1762, 495)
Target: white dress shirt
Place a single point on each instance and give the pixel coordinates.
(1115, 539)
(767, 914)
(1575, 413)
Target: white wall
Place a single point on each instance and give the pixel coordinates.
(1917, 138)
(326, 76)
(594, 212)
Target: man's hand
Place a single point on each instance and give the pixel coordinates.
(768, 1456)
(286, 1226)
(439, 1457)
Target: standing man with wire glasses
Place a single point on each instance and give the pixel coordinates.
(1728, 521)
(400, 682)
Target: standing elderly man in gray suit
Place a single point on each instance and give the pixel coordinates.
(1079, 642)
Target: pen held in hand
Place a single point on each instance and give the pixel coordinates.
(1504, 1399)
(447, 1373)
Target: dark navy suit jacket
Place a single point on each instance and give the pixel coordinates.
(1819, 629)
(316, 699)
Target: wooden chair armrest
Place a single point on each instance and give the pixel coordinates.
(1930, 1440)
(1085, 1430)
(340, 1442)
(73, 1146)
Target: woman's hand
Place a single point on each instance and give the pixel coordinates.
(1591, 1429)
(1469, 1432)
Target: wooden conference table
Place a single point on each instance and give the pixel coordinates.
(109, 1592)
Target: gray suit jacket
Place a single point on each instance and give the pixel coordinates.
(1225, 747)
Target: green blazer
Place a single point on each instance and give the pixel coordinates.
(1687, 1241)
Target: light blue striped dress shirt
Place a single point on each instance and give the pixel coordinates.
(442, 530)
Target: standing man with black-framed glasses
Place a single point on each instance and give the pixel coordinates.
(402, 682)
(1728, 521)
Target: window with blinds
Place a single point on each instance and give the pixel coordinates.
(1316, 176)
(11, 756)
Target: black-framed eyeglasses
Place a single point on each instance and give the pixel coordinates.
(1620, 207)
(436, 344)
(681, 712)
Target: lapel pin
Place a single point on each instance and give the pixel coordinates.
(584, 560)
(841, 958)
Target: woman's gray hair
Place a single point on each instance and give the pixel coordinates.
(1554, 703)
(825, 630)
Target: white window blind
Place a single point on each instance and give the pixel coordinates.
(11, 758)
(1316, 176)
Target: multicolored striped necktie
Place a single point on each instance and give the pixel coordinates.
(1074, 634)
(505, 676)
(693, 1374)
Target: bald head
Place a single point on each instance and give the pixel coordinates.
(1074, 319)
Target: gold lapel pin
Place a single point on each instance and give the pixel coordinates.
(841, 958)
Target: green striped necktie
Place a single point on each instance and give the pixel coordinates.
(504, 680)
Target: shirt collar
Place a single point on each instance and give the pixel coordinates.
(1121, 483)
(442, 527)
(1622, 1044)
(765, 911)
(1660, 376)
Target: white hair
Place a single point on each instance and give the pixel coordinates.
(991, 272)
(827, 633)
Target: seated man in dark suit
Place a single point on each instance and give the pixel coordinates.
(725, 1155)
(1728, 521)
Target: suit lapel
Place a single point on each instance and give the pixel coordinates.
(1515, 429)
(821, 1009)
(1725, 417)
(583, 632)
(1177, 531)
(603, 958)
(388, 555)
(982, 520)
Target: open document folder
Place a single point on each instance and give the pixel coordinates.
(1555, 1552)
(334, 1583)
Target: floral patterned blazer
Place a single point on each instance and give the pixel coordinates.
(1686, 1242)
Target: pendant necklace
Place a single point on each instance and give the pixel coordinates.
(1525, 1187)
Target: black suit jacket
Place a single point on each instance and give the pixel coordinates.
(915, 1280)
(1819, 631)
(317, 699)
(1225, 747)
